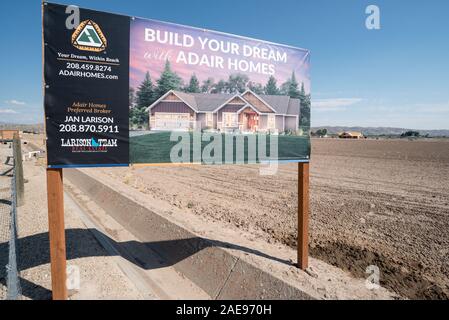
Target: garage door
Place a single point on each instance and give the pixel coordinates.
(172, 121)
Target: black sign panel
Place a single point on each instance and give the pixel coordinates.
(122, 91)
(86, 88)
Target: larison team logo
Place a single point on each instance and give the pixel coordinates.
(89, 37)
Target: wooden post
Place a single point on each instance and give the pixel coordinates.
(18, 169)
(55, 195)
(303, 215)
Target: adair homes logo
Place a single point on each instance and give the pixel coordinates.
(89, 37)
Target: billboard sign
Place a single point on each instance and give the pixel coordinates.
(123, 90)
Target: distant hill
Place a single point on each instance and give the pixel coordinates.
(379, 131)
(27, 127)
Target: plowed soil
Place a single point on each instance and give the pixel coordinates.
(373, 202)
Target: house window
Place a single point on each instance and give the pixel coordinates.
(271, 121)
(230, 119)
(209, 119)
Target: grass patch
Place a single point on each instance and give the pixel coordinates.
(156, 147)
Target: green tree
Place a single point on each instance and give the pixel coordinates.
(145, 93)
(284, 88)
(271, 86)
(169, 80)
(138, 116)
(321, 132)
(305, 104)
(237, 83)
(410, 133)
(208, 85)
(257, 88)
(302, 96)
(220, 87)
(132, 97)
(194, 85)
(291, 86)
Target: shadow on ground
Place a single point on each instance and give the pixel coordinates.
(81, 243)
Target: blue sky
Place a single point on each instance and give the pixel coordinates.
(397, 76)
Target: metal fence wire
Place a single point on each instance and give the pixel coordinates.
(9, 274)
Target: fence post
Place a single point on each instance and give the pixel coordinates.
(13, 282)
(18, 169)
(303, 215)
(56, 228)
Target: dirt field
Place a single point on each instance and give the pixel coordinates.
(322, 280)
(374, 202)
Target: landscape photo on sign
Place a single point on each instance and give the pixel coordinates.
(207, 97)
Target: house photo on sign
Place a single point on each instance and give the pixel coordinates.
(176, 94)
(239, 99)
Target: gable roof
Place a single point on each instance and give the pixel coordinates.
(209, 102)
(185, 97)
(258, 97)
(246, 106)
(188, 99)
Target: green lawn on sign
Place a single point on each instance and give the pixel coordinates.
(156, 147)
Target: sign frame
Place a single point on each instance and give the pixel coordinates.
(55, 198)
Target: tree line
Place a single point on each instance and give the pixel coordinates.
(148, 92)
(411, 134)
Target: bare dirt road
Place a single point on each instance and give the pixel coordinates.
(5, 215)
(374, 202)
(93, 272)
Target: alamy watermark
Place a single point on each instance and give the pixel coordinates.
(73, 281)
(73, 20)
(217, 148)
(372, 22)
(373, 280)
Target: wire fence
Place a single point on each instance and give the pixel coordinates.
(9, 274)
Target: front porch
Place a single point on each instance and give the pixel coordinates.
(249, 121)
(245, 121)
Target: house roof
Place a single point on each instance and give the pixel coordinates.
(278, 103)
(293, 106)
(188, 98)
(208, 102)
